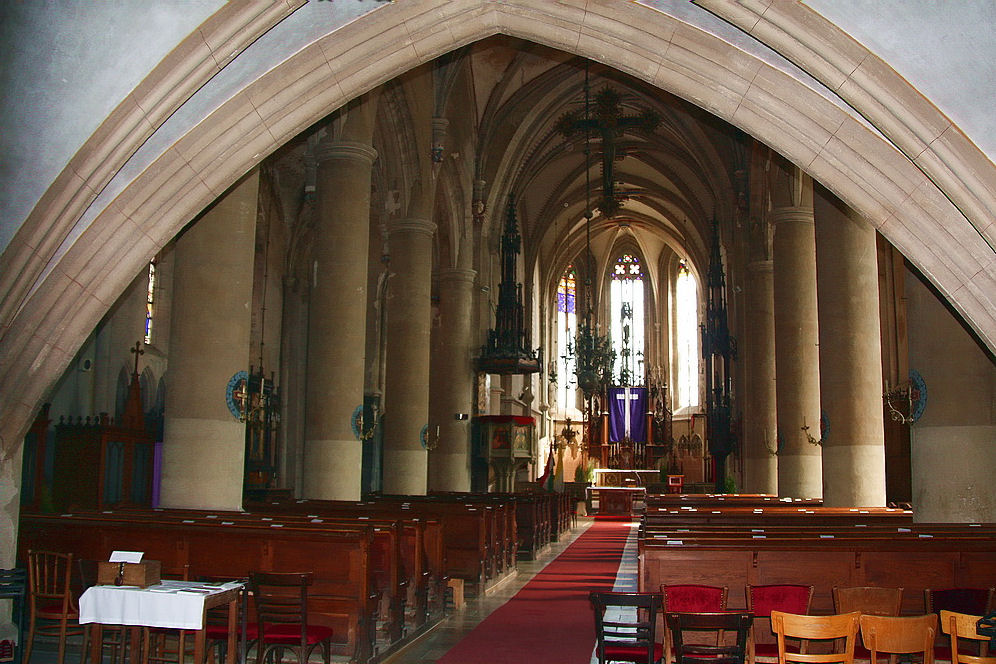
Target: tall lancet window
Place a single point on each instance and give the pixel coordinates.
(687, 336)
(150, 300)
(626, 296)
(567, 329)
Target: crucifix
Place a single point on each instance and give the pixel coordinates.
(627, 398)
(610, 122)
(138, 351)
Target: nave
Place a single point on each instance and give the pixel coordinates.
(598, 555)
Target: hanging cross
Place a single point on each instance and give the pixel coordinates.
(611, 124)
(138, 351)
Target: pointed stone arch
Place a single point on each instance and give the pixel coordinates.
(67, 290)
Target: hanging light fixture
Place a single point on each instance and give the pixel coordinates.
(593, 352)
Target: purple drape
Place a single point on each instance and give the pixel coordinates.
(631, 401)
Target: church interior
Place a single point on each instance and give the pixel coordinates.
(446, 290)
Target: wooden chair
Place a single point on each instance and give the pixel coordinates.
(678, 624)
(51, 600)
(281, 600)
(626, 627)
(867, 600)
(894, 635)
(761, 601)
(691, 598)
(964, 626)
(807, 629)
(216, 624)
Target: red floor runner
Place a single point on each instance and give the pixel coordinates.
(550, 619)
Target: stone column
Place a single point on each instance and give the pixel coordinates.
(797, 362)
(337, 321)
(204, 446)
(449, 463)
(850, 357)
(760, 413)
(406, 393)
(953, 444)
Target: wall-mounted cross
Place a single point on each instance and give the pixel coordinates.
(609, 121)
(138, 351)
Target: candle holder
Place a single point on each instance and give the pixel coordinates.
(906, 402)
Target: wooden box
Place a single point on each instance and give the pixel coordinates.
(143, 574)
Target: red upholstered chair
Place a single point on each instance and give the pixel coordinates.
(281, 600)
(690, 598)
(694, 598)
(761, 601)
(974, 601)
(216, 624)
(626, 627)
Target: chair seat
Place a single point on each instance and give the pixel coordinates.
(632, 653)
(290, 634)
(766, 652)
(54, 610)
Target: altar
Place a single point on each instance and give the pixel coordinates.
(614, 477)
(617, 501)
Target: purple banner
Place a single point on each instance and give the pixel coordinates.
(627, 414)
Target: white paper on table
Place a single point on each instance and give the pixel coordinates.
(126, 556)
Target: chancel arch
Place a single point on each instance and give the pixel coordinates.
(159, 193)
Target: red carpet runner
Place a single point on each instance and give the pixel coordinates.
(550, 619)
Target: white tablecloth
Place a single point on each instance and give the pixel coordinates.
(173, 604)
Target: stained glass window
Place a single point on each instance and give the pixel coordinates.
(687, 336)
(150, 302)
(567, 329)
(626, 292)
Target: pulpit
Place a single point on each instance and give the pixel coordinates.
(503, 445)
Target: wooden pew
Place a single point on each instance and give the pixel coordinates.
(343, 596)
(421, 548)
(467, 530)
(825, 548)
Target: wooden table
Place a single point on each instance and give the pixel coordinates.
(179, 605)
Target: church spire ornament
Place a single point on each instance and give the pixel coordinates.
(719, 349)
(508, 348)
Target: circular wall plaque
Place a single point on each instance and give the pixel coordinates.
(239, 380)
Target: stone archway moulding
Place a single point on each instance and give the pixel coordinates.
(866, 171)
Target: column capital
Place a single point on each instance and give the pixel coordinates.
(411, 225)
(799, 214)
(346, 150)
(456, 275)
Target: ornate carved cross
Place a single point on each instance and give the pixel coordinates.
(610, 122)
